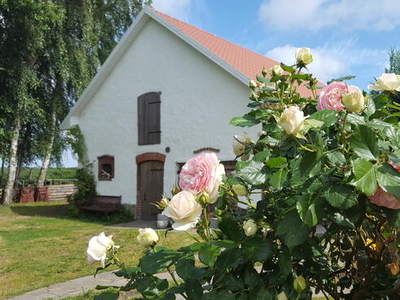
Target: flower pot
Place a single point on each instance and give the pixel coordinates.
(162, 221)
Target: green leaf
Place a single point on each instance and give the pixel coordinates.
(389, 179)
(341, 196)
(393, 136)
(287, 68)
(262, 156)
(257, 248)
(252, 172)
(342, 220)
(348, 77)
(158, 261)
(229, 258)
(364, 143)
(185, 268)
(276, 162)
(328, 116)
(310, 165)
(292, 230)
(306, 207)
(370, 108)
(365, 176)
(312, 123)
(231, 229)
(209, 253)
(278, 178)
(245, 121)
(193, 289)
(263, 79)
(285, 262)
(336, 158)
(355, 119)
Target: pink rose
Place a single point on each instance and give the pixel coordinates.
(202, 173)
(382, 198)
(331, 95)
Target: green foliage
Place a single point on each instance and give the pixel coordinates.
(86, 186)
(310, 221)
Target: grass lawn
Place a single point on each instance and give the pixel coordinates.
(40, 246)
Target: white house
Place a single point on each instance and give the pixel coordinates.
(166, 92)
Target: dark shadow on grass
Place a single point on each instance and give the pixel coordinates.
(70, 212)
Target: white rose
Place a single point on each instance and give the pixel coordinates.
(304, 56)
(292, 120)
(184, 210)
(147, 237)
(250, 227)
(276, 70)
(98, 247)
(354, 100)
(239, 145)
(386, 82)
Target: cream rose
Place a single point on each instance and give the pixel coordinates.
(239, 145)
(184, 210)
(147, 237)
(250, 227)
(292, 120)
(202, 173)
(98, 247)
(386, 82)
(276, 70)
(354, 100)
(304, 56)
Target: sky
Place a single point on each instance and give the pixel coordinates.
(346, 37)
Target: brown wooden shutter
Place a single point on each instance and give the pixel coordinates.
(149, 128)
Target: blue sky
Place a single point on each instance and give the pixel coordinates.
(346, 37)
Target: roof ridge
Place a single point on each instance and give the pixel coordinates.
(165, 16)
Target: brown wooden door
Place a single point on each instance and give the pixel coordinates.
(150, 184)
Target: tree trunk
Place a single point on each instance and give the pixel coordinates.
(46, 160)
(57, 94)
(12, 168)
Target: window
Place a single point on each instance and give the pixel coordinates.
(105, 167)
(149, 129)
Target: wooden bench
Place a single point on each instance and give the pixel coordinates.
(102, 203)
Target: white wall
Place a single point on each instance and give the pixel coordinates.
(198, 100)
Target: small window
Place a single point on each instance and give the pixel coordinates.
(149, 128)
(105, 167)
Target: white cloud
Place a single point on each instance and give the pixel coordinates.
(340, 60)
(316, 14)
(325, 65)
(179, 9)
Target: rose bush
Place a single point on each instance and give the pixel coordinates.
(314, 207)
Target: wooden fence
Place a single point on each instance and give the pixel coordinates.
(59, 192)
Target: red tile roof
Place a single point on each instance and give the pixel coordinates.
(242, 59)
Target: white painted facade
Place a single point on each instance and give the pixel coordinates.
(198, 100)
